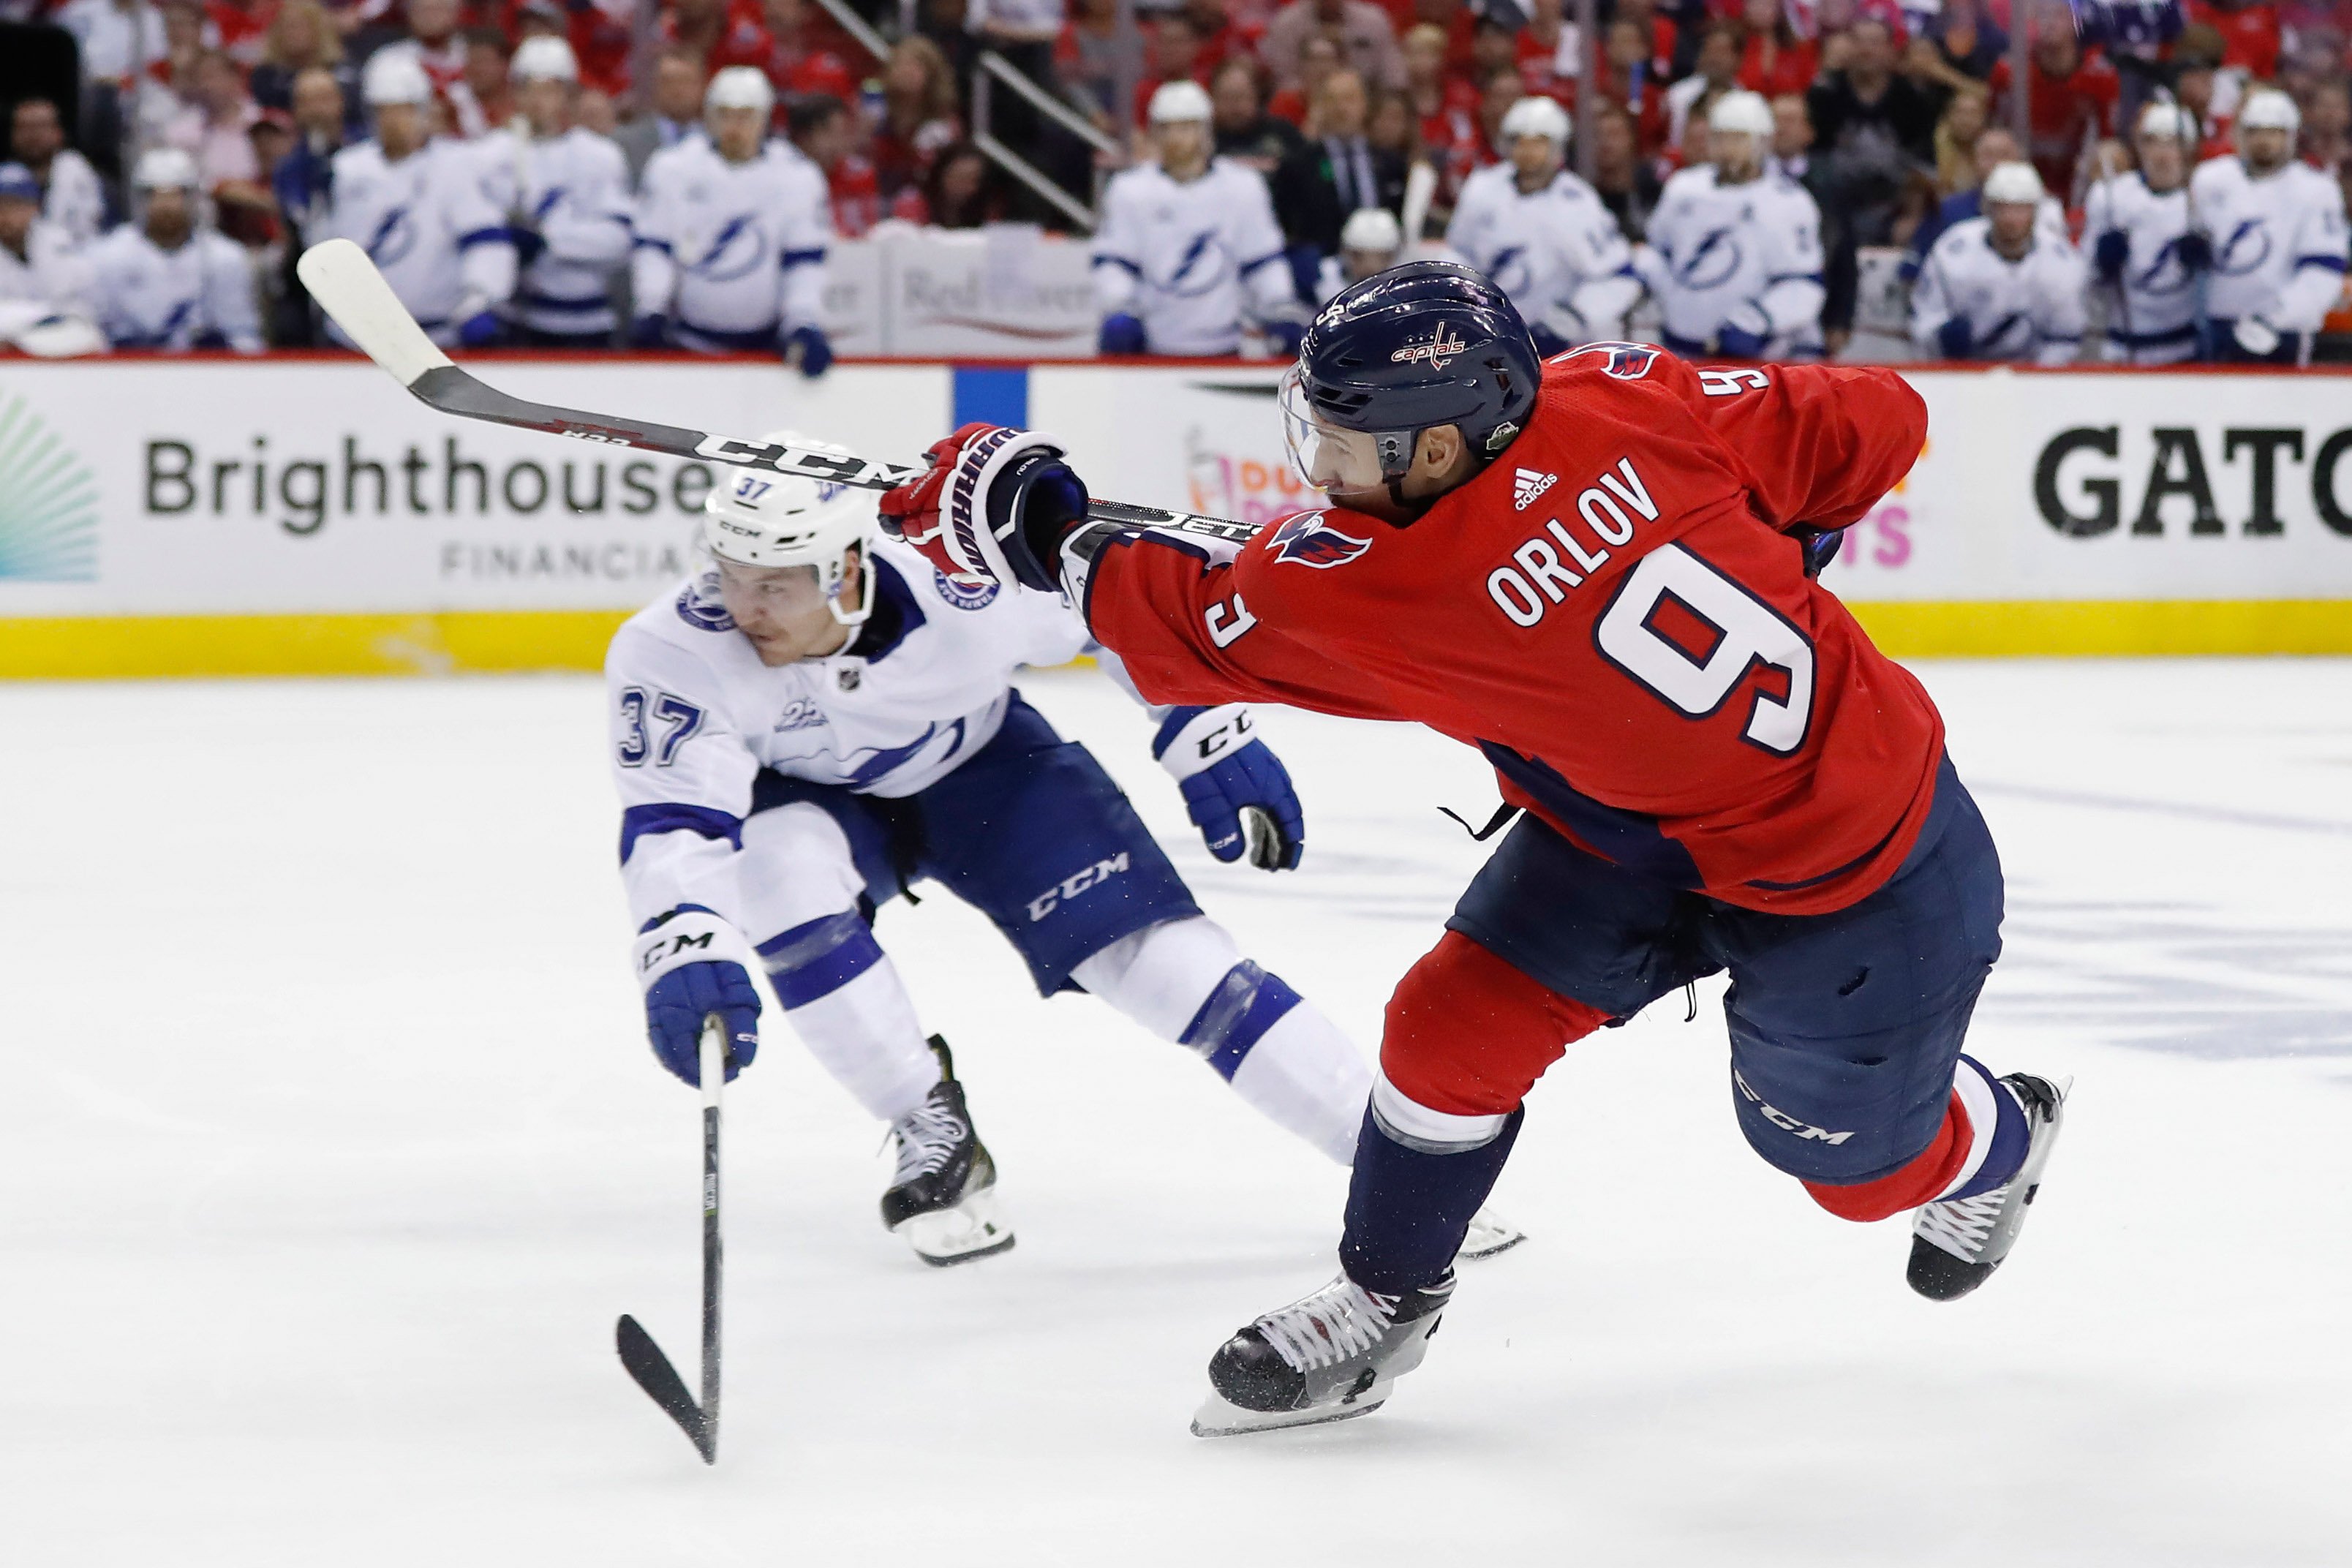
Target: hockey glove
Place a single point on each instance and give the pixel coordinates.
(1283, 338)
(649, 331)
(481, 330)
(688, 962)
(1954, 339)
(809, 344)
(993, 507)
(2193, 251)
(1121, 334)
(2110, 255)
(1236, 791)
(1547, 342)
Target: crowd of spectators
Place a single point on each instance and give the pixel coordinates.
(207, 140)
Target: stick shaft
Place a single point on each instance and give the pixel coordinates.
(714, 1077)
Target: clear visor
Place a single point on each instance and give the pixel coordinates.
(760, 595)
(1325, 456)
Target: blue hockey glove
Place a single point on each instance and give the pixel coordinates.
(480, 330)
(815, 352)
(1955, 338)
(1744, 334)
(649, 331)
(1121, 334)
(686, 960)
(1236, 789)
(2111, 253)
(2193, 251)
(1820, 545)
(1283, 338)
(1547, 342)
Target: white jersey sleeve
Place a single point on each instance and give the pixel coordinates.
(684, 773)
(1602, 285)
(660, 225)
(1257, 244)
(805, 223)
(2317, 284)
(1117, 261)
(1789, 231)
(229, 307)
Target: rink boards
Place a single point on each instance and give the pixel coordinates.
(303, 515)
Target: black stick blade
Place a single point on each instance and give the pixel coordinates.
(660, 1381)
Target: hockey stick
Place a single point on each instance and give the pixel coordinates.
(638, 1352)
(348, 287)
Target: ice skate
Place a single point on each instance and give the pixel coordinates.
(943, 1192)
(1956, 1243)
(1489, 1234)
(1328, 1357)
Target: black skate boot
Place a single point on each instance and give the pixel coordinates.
(1956, 1243)
(943, 1192)
(1332, 1355)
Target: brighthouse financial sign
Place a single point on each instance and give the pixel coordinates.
(211, 487)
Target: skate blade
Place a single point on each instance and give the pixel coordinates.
(1218, 1417)
(1488, 1234)
(971, 1230)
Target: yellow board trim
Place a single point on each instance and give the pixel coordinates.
(489, 641)
(129, 647)
(2042, 627)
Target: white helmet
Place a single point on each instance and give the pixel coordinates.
(2013, 183)
(2270, 110)
(544, 59)
(758, 516)
(1536, 115)
(2170, 123)
(165, 169)
(1372, 228)
(742, 86)
(1176, 102)
(1741, 113)
(395, 76)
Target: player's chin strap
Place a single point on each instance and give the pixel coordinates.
(1497, 440)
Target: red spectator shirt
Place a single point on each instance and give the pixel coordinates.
(1612, 613)
(1452, 138)
(2062, 110)
(1793, 69)
(2250, 35)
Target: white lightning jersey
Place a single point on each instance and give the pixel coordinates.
(1745, 255)
(1558, 252)
(149, 298)
(429, 227)
(2155, 323)
(731, 252)
(2029, 309)
(695, 715)
(570, 205)
(1191, 258)
(50, 279)
(2278, 242)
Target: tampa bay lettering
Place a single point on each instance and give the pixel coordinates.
(2083, 486)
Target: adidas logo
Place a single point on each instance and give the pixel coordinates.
(1528, 486)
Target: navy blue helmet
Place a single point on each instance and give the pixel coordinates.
(1421, 344)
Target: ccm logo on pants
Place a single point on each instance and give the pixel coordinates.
(1094, 876)
(1782, 1119)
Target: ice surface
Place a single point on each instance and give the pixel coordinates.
(331, 1149)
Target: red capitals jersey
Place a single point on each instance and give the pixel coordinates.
(1613, 613)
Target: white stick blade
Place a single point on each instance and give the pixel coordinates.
(348, 287)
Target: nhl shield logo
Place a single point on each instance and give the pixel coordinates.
(1307, 540)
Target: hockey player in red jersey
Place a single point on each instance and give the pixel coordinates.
(1600, 571)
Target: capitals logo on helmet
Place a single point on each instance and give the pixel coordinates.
(1307, 540)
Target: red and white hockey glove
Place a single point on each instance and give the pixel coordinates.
(993, 507)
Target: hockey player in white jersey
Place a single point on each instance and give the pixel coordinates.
(416, 203)
(1999, 287)
(45, 286)
(2276, 230)
(565, 191)
(732, 236)
(1189, 252)
(1543, 237)
(1371, 241)
(782, 723)
(165, 281)
(2142, 250)
(1734, 253)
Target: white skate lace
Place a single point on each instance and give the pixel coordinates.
(1339, 1320)
(927, 1136)
(1961, 1226)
